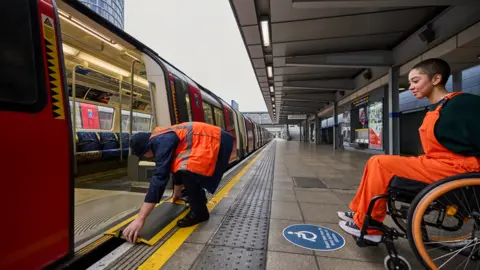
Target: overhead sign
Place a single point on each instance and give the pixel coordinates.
(297, 117)
(313, 237)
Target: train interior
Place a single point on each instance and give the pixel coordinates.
(98, 69)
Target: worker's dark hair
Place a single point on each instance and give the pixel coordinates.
(434, 66)
(139, 143)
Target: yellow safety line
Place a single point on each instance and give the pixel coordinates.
(163, 254)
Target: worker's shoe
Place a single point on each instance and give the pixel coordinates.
(192, 219)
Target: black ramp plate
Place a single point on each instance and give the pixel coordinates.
(158, 219)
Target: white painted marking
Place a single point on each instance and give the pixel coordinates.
(112, 256)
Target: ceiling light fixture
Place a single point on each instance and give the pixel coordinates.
(269, 71)
(271, 89)
(93, 60)
(265, 32)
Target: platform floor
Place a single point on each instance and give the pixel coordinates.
(339, 171)
(286, 183)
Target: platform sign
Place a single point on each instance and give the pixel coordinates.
(313, 237)
(297, 116)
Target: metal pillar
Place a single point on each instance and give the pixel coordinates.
(335, 125)
(393, 108)
(457, 81)
(307, 131)
(317, 129)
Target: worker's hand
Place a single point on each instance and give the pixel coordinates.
(131, 232)
(177, 192)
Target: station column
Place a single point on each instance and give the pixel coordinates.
(457, 81)
(335, 125)
(317, 129)
(393, 108)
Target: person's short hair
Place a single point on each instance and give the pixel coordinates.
(139, 143)
(434, 66)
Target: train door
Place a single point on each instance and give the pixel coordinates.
(36, 163)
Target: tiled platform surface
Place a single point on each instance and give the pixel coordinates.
(340, 171)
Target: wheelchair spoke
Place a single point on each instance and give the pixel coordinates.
(454, 253)
(476, 199)
(467, 260)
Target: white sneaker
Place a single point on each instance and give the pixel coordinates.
(346, 216)
(351, 228)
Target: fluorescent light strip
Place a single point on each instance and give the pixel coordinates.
(265, 33)
(92, 59)
(269, 71)
(271, 89)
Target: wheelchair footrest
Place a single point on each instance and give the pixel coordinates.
(365, 242)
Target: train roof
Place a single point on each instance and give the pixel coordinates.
(80, 7)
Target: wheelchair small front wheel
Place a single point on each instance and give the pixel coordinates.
(398, 263)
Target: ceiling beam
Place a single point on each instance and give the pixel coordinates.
(313, 97)
(331, 85)
(377, 3)
(360, 59)
(315, 105)
(311, 89)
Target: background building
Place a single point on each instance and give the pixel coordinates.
(112, 10)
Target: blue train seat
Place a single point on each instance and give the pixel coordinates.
(88, 146)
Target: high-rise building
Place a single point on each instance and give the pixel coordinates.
(112, 10)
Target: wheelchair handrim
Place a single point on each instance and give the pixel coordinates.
(422, 207)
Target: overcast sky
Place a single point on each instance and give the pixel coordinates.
(202, 39)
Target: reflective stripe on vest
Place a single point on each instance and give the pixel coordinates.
(204, 159)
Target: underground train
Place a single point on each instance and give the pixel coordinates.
(82, 86)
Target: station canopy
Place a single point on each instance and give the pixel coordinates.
(308, 53)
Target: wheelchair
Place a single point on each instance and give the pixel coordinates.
(441, 222)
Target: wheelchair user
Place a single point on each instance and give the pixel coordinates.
(450, 136)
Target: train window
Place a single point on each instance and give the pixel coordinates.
(207, 109)
(232, 120)
(20, 80)
(189, 109)
(89, 116)
(141, 121)
(219, 121)
(77, 114)
(105, 116)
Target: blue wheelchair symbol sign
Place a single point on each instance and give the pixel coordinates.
(313, 237)
(90, 114)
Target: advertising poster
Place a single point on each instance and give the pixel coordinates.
(346, 128)
(375, 125)
(362, 116)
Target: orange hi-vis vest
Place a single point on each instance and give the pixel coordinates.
(198, 148)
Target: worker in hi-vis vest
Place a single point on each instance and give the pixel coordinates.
(196, 153)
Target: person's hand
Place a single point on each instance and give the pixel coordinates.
(177, 192)
(131, 232)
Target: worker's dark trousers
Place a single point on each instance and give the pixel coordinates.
(194, 191)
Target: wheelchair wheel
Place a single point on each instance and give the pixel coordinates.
(444, 223)
(401, 264)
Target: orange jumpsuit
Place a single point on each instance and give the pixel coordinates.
(437, 163)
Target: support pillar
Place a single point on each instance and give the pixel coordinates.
(392, 145)
(307, 131)
(317, 129)
(457, 81)
(288, 133)
(335, 125)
